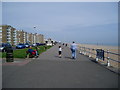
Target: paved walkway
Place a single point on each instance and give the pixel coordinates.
(50, 71)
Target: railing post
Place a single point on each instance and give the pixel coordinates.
(97, 59)
(80, 50)
(84, 51)
(89, 53)
(108, 61)
(97, 56)
(108, 58)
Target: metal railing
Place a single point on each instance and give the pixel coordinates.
(91, 51)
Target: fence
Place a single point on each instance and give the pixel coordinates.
(109, 58)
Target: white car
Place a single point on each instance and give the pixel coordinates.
(1, 48)
(27, 45)
(49, 44)
(34, 45)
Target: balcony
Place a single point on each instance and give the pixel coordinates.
(14, 41)
(8, 32)
(9, 41)
(14, 33)
(8, 38)
(14, 36)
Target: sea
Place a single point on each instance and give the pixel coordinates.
(104, 44)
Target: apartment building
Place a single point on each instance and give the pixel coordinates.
(31, 38)
(35, 38)
(13, 36)
(8, 34)
(25, 37)
(40, 38)
(20, 36)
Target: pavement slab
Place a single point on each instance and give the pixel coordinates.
(50, 71)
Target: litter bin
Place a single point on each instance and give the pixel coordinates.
(100, 54)
(9, 54)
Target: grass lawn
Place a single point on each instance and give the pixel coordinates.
(21, 53)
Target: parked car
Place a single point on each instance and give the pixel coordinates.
(41, 44)
(27, 45)
(34, 44)
(20, 46)
(49, 44)
(37, 44)
(3, 46)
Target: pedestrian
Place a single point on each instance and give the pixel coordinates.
(66, 45)
(60, 51)
(31, 52)
(73, 50)
(36, 51)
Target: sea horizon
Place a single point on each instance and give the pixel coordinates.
(102, 44)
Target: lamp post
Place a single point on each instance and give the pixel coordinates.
(34, 35)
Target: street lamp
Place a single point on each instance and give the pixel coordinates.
(33, 35)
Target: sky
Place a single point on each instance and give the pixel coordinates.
(82, 22)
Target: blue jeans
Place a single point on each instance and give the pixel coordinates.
(36, 53)
(74, 53)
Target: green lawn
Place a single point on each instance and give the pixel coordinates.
(21, 53)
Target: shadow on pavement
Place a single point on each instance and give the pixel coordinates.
(68, 57)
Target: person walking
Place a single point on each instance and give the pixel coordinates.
(73, 50)
(60, 51)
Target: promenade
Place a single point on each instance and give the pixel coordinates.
(50, 71)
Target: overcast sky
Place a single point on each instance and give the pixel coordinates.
(83, 22)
